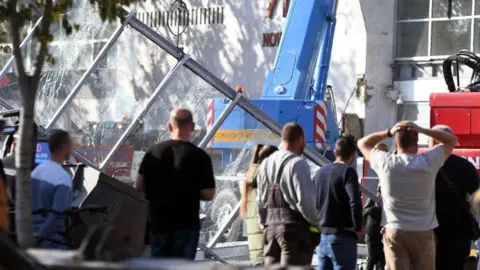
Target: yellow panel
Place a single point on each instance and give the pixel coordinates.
(245, 136)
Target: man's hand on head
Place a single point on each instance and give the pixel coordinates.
(413, 127)
(398, 126)
(408, 125)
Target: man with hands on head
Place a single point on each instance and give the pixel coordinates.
(408, 192)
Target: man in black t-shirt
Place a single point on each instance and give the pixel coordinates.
(454, 232)
(175, 175)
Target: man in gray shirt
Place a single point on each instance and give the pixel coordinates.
(408, 192)
(286, 201)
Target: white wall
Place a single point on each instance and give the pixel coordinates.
(234, 51)
(379, 21)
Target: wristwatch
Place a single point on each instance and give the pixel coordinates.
(389, 134)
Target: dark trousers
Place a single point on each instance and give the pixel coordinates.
(288, 245)
(337, 252)
(376, 257)
(452, 251)
(177, 244)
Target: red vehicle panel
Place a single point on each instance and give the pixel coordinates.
(472, 155)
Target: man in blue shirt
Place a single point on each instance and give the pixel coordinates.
(52, 189)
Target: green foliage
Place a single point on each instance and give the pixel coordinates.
(27, 11)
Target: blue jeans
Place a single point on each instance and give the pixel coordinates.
(337, 252)
(180, 244)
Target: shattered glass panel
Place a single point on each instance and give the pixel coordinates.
(231, 151)
(184, 89)
(113, 96)
(73, 55)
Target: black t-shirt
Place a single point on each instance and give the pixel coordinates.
(451, 214)
(174, 173)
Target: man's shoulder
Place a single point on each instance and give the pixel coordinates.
(455, 162)
(51, 172)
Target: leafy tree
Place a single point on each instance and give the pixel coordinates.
(16, 14)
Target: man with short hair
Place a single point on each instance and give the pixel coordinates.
(339, 208)
(52, 190)
(408, 192)
(454, 231)
(286, 202)
(175, 175)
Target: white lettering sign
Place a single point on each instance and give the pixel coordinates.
(475, 162)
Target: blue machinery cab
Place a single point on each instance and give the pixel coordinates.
(295, 88)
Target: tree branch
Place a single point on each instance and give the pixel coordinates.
(44, 31)
(15, 28)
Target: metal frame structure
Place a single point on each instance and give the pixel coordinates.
(25, 41)
(237, 99)
(88, 72)
(136, 121)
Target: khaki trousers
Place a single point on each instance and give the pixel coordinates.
(255, 233)
(409, 250)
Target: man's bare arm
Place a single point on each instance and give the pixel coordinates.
(444, 138)
(140, 184)
(367, 143)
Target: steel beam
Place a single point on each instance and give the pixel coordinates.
(156, 38)
(5, 104)
(218, 123)
(150, 102)
(87, 73)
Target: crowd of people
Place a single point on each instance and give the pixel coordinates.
(419, 220)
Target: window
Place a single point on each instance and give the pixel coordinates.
(418, 112)
(424, 31)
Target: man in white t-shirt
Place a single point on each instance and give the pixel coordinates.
(408, 192)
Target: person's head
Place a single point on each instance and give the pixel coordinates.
(444, 128)
(406, 141)
(379, 189)
(181, 124)
(293, 138)
(60, 144)
(382, 147)
(345, 148)
(265, 152)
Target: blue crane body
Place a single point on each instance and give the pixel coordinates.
(295, 88)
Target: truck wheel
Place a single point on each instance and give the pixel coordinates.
(223, 205)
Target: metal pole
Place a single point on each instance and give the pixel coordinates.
(155, 38)
(219, 122)
(135, 122)
(87, 73)
(5, 104)
(227, 223)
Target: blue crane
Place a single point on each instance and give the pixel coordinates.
(295, 88)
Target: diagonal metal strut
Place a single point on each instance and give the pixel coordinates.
(87, 73)
(150, 102)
